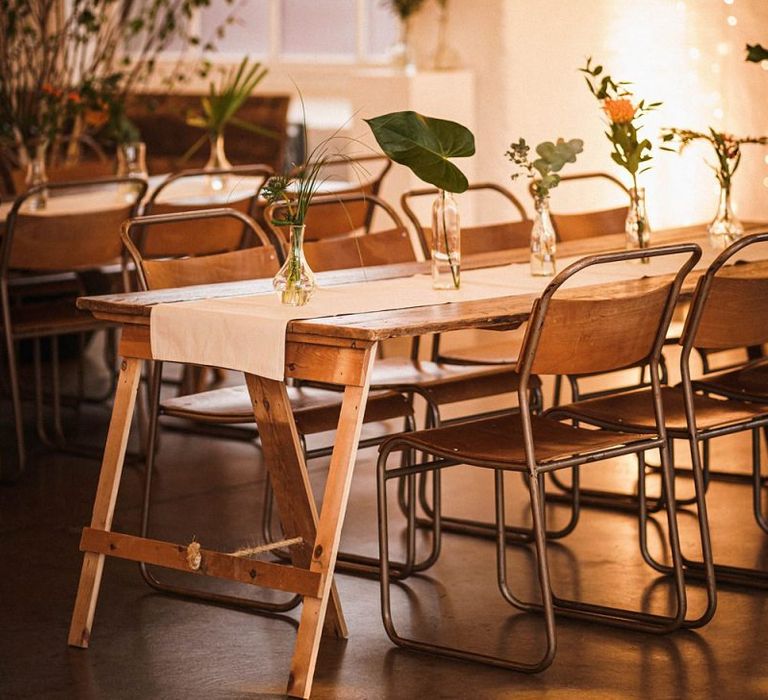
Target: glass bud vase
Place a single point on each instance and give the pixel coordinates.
(132, 159)
(36, 174)
(446, 242)
(725, 227)
(401, 53)
(543, 240)
(636, 227)
(295, 281)
(217, 160)
(445, 57)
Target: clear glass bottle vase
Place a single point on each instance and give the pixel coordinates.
(217, 160)
(725, 228)
(295, 281)
(446, 242)
(636, 227)
(36, 173)
(543, 240)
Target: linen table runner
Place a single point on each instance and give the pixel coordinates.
(247, 333)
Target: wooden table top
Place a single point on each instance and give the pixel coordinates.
(499, 313)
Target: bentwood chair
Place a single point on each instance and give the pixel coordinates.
(77, 232)
(314, 410)
(729, 310)
(577, 332)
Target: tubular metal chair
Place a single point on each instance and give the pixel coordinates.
(578, 333)
(77, 232)
(315, 410)
(729, 310)
(182, 192)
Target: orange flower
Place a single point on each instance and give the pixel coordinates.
(74, 97)
(95, 118)
(620, 111)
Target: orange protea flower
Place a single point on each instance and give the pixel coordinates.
(620, 111)
(75, 98)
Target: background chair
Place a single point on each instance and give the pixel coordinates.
(315, 410)
(67, 236)
(575, 333)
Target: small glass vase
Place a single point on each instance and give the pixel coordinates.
(132, 159)
(445, 56)
(36, 174)
(636, 227)
(446, 242)
(725, 227)
(217, 160)
(401, 52)
(543, 240)
(295, 281)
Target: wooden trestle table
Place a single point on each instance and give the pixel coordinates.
(339, 350)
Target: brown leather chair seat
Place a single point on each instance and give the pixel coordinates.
(634, 410)
(499, 440)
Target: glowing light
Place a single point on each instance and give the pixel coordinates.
(764, 64)
(765, 182)
(765, 160)
(717, 113)
(723, 48)
(728, 2)
(694, 53)
(732, 21)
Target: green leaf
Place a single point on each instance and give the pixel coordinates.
(424, 144)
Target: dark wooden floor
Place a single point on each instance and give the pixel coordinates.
(147, 645)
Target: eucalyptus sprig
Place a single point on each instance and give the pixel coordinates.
(552, 158)
(629, 150)
(726, 146)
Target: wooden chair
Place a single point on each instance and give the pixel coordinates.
(315, 410)
(172, 196)
(729, 310)
(575, 332)
(597, 222)
(68, 237)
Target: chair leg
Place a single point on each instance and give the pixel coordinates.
(757, 485)
(15, 391)
(382, 477)
(149, 577)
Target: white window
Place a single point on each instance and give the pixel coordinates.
(329, 31)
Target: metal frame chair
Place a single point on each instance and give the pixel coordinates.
(631, 328)
(35, 243)
(728, 311)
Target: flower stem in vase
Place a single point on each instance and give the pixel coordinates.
(217, 161)
(725, 227)
(638, 231)
(543, 240)
(446, 242)
(36, 174)
(295, 281)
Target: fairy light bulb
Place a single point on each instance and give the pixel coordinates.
(732, 21)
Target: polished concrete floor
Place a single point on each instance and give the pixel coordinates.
(147, 645)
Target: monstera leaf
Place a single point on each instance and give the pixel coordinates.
(425, 144)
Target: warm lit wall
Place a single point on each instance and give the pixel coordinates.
(525, 54)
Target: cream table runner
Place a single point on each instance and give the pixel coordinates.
(248, 333)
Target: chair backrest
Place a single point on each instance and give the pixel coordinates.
(357, 175)
(77, 230)
(585, 331)
(390, 244)
(514, 231)
(730, 307)
(599, 222)
(182, 271)
(190, 190)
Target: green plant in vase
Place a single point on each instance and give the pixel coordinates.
(543, 174)
(725, 227)
(402, 51)
(630, 151)
(219, 110)
(425, 145)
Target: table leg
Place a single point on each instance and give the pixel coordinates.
(106, 496)
(287, 468)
